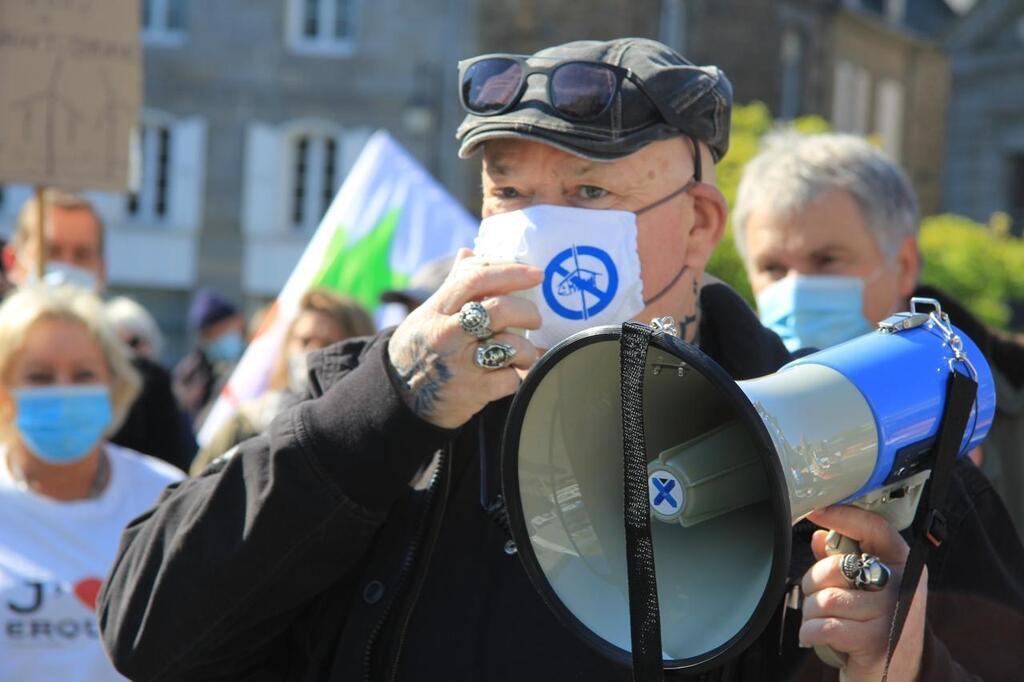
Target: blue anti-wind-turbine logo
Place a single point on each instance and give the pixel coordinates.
(580, 282)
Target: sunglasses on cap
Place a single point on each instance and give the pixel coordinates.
(579, 90)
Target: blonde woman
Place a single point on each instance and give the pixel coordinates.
(65, 492)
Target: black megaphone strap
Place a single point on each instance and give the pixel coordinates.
(929, 527)
(644, 614)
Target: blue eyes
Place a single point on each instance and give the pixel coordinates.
(592, 192)
(584, 192)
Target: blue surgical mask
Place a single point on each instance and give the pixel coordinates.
(814, 311)
(227, 347)
(61, 424)
(59, 273)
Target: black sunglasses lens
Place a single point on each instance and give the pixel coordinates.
(490, 85)
(582, 91)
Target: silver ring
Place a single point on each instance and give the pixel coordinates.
(475, 321)
(865, 572)
(494, 355)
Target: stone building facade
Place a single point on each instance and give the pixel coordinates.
(255, 109)
(872, 67)
(984, 168)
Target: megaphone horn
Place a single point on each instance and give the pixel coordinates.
(730, 466)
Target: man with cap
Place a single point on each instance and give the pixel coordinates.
(362, 537)
(219, 330)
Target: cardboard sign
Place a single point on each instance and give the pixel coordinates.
(70, 91)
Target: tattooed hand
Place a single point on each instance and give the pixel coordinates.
(433, 355)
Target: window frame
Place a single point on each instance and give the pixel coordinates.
(324, 44)
(158, 33)
(145, 195)
(321, 138)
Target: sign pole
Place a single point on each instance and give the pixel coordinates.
(39, 236)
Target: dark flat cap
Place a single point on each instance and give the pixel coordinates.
(687, 100)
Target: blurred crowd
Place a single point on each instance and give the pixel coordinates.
(94, 425)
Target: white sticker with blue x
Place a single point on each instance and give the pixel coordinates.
(666, 494)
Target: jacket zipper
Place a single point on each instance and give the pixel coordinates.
(440, 480)
(421, 578)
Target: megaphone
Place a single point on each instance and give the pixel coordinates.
(732, 466)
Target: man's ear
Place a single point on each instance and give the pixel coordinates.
(709, 216)
(908, 266)
(13, 269)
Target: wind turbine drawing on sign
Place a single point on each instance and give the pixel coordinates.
(113, 107)
(53, 102)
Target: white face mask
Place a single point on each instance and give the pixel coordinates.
(589, 258)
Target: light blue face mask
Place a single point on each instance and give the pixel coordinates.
(227, 347)
(61, 424)
(64, 274)
(814, 311)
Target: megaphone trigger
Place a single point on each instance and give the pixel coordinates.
(837, 543)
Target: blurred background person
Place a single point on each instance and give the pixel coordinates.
(219, 329)
(73, 240)
(827, 226)
(422, 285)
(324, 318)
(135, 327)
(155, 424)
(65, 492)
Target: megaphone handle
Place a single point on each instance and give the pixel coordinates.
(836, 543)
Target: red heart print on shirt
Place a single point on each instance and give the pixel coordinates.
(87, 589)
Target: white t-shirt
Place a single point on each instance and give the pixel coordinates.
(53, 557)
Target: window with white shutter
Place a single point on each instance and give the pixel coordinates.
(292, 173)
(889, 116)
(851, 97)
(314, 178)
(149, 203)
(172, 155)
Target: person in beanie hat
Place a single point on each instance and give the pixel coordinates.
(218, 327)
(363, 536)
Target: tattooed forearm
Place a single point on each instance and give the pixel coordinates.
(424, 373)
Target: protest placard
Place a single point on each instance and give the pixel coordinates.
(70, 91)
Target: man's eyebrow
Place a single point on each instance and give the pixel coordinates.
(827, 249)
(496, 167)
(586, 168)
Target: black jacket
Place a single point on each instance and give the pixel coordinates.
(309, 555)
(155, 425)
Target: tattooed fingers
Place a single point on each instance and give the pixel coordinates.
(434, 357)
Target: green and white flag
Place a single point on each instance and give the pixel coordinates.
(389, 218)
